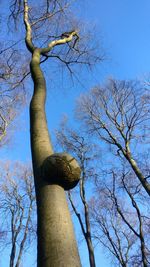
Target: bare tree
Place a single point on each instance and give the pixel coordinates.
(14, 57)
(120, 218)
(118, 113)
(12, 97)
(17, 208)
(49, 33)
(119, 213)
(13, 74)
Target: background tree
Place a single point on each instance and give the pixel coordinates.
(119, 213)
(120, 216)
(118, 114)
(17, 208)
(13, 73)
(12, 96)
(115, 204)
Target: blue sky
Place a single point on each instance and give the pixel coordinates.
(123, 29)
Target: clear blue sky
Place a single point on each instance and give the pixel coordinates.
(123, 28)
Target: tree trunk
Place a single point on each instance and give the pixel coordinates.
(56, 242)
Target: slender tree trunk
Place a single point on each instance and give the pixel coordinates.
(91, 251)
(88, 237)
(56, 242)
(22, 244)
(12, 256)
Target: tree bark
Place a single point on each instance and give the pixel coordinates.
(56, 242)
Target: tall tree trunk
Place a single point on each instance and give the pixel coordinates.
(56, 242)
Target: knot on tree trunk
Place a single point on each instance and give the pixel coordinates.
(61, 169)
